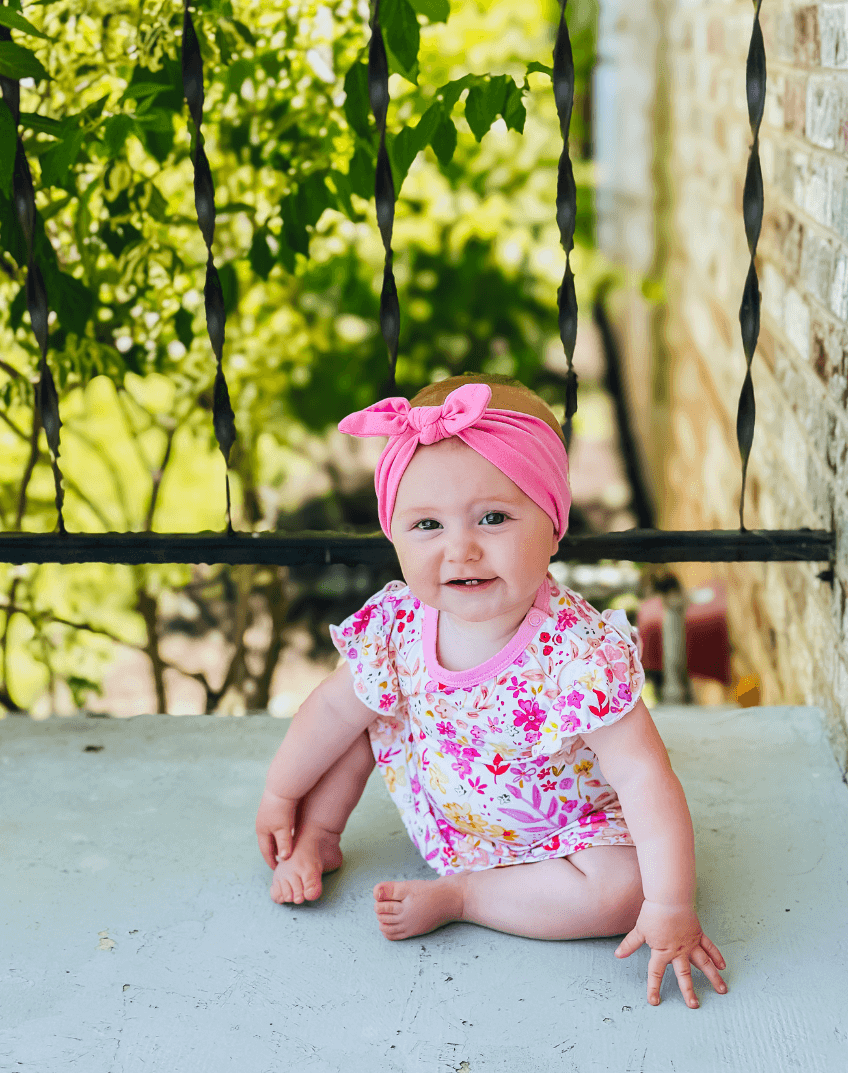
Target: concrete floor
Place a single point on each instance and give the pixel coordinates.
(138, 935)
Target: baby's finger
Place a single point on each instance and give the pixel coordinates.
(656, 970)
(632, 941)
(684, 978)
(284, 842)
(702, 961)
(713, 951)
(268, 849)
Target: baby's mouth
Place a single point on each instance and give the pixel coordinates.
(470, 582)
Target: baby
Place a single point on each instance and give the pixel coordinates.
(502, 709)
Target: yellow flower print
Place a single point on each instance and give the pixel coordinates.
(438, 778)
(550, 731)
(583, 768)
(463, 819)
(590, 679)
(395, 776)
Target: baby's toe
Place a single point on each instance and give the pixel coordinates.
(280, 891)
(312, 885)
(385, 892)
(387, 910)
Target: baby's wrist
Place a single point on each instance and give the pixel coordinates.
(275, 795)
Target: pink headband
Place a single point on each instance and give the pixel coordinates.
(525, 448)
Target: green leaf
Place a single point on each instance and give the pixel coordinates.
(312, 198)
(434, 10)
(444, 141)
(260, 256)
(8, 148)
(183, 321)
(360, 173)
(401, 34)
(223, 45)
(490, 98)
(117, 237)
(244, 31)
(229, 286)
(357, 107)
(16, 21)
(72, 300)
(41, 124)
(450, 93)
(18, 62)
(411, 140)
(116, 130)
(58, 161)
(343, 191)
(541, 68)
(514, 112)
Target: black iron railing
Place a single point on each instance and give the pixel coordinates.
(316, 548)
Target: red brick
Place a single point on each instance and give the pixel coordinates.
(807, 45)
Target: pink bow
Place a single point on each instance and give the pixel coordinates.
(429, 424)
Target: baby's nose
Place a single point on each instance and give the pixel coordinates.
(463, 545)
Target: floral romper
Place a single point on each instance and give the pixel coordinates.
(489, 766)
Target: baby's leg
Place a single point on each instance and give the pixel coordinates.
(595, 892)
(322, 816)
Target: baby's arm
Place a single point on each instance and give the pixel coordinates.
(325, 726)
(634, 761)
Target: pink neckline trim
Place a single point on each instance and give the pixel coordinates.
(499, 662)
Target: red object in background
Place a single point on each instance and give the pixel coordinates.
(707, 639)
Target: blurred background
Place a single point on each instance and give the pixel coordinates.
(659, 140)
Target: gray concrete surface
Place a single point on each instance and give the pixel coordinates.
(138, 935)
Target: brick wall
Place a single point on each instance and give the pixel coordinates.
(787, 625)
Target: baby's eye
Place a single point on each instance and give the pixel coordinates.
(426, 524)
(494, 517)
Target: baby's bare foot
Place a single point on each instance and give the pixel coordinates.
(298, 877)
(416, 906)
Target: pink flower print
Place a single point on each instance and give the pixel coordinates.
(530, 715)
(571, 724)
(594, 819)
(519, 771)
(566, 784)
(452, 748)
(359, 668)
(447, 729)
(495, 723)
(553, 844)
(352, 653)
(624, 693)
(416, 604)
(461, 766)
(386, 701)
(475, 784)
(415, 785)
(548, 786)
(477, 732)
(574, 698)
(579, 846)
(520, 659)
(363, 617)
(515, 687)
(569, 806)
(566, 619)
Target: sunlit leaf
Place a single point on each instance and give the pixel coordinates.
(18, 62)
(434, 10)
(401, 34)
(8, 142)
(357, 107)
(16, 21)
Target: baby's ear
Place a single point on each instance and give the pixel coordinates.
(554, 543)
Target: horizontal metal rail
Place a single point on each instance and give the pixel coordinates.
(319, 548)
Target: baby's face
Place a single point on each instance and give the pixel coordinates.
(469, 541)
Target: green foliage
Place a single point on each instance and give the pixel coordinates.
(292, 146)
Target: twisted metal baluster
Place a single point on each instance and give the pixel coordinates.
(752, 211)
(384, 191)
(566, 212)
(46, 399)
(223, 419)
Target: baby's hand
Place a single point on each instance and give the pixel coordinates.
(275, 826)
(674, 935)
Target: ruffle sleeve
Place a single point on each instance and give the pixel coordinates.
(364, 640)
(600, 684)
